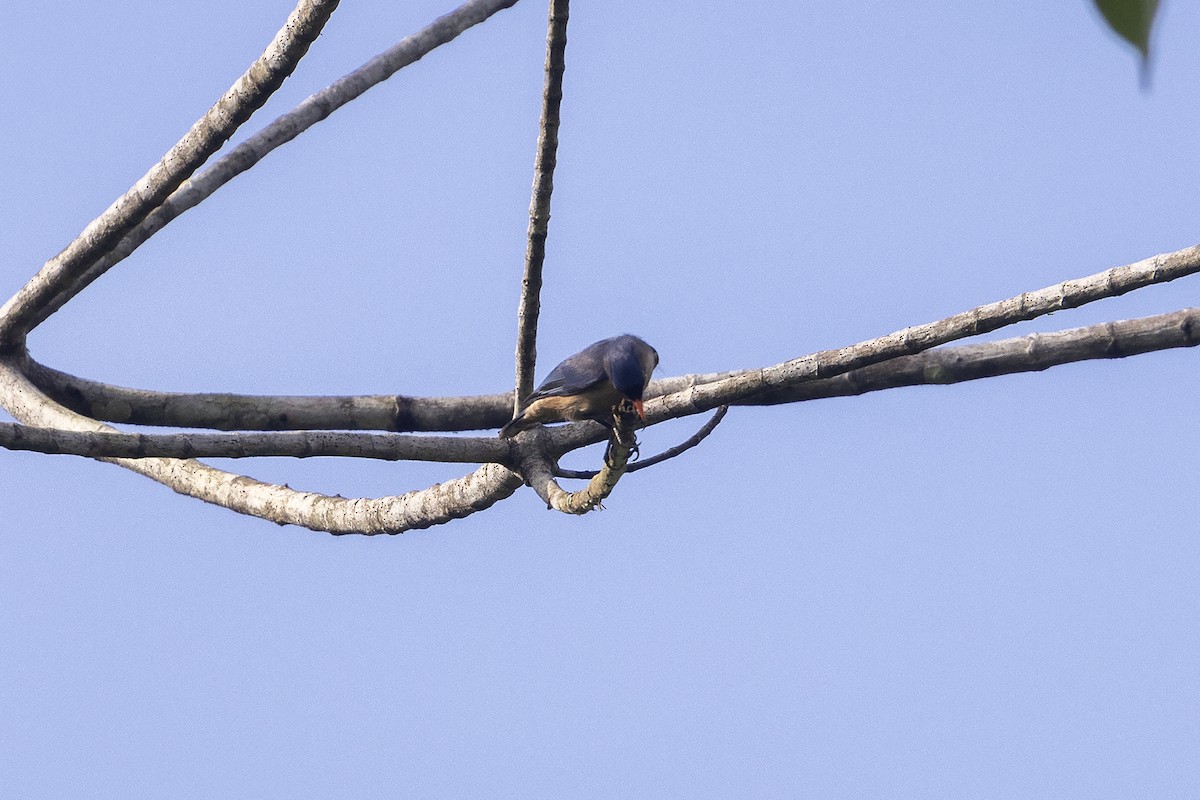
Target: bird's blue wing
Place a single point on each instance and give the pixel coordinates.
(576, 373)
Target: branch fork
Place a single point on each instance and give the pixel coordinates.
(538, 462)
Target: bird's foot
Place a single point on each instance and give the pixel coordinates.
(622, 432)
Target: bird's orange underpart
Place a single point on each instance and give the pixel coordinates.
(641, 411)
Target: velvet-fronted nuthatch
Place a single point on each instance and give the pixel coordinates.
(590, 384)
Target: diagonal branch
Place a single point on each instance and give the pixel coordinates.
(420, 509)
(283, 130)
(206, 136)
(1032, 353)
(539, 204)
(983, 319)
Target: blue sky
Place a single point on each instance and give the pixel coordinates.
(982, 590)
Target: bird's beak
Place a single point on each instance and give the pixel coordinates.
(640, 409)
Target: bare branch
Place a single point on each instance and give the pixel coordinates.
(986, 318)
(420, 509)
(539, 204)
(439, 504)
(206, 136)
(387, 412)
(229, 412)
(400, 413)
(1032, 353)
(687, 444)
(283, 130)
(296, 444)
(390, 412)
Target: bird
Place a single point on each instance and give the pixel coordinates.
(590, 385)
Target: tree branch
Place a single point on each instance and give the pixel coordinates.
(1030, 353)
(432, 506)
(983, 319)
(283, 130)
(295, 444)
(420, 509)
(221, 411)
(204, 138)
(539, 204)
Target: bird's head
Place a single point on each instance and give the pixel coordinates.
(629, 362)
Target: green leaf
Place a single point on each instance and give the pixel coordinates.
(1131, 19)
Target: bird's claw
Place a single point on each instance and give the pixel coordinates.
(619, 438)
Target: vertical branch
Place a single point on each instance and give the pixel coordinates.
(204, 138)
(539, 204)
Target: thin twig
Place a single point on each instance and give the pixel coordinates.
(539, 204)
(283, 130)
(693, 440)
(204, 138)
